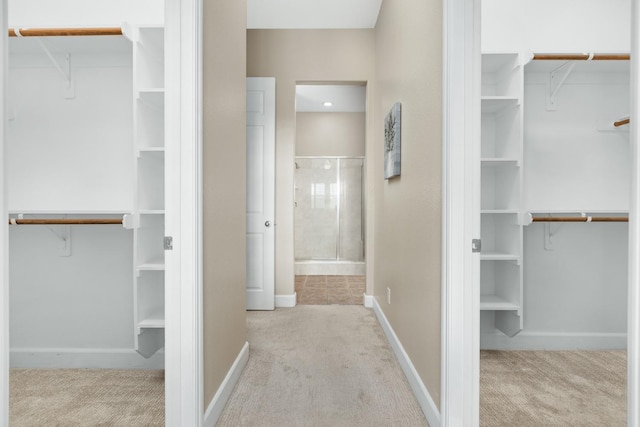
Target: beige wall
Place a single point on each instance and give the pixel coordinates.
(330, 134)
(408, 208)
(303, 56)
(224, 157)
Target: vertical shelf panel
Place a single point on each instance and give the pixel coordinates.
(148, 99)
(501, 199)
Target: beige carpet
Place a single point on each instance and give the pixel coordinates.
(553, 388)
(320, 366)
(82, 397)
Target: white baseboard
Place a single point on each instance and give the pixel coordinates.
(221, 397)
(286, 301)
(368, 301)
(552, 341)
(421, 393)
(91, 358)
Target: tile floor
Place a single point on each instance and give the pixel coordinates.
(324, 290)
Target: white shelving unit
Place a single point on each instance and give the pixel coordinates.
(501, 181)
(148, 235)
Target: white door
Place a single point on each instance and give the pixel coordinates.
(261, 118)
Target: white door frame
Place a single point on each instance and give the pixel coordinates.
(460, 293)
(460, 217)
(633, 313)
(4, 230)
(183, 352)
(184, 278)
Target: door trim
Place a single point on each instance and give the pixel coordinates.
(460, 216)
(633, 313)
(4, 230)
(184, 386)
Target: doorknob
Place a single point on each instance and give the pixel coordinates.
(267, 223)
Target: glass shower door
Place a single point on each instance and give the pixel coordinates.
(316, 211)
(329, 209)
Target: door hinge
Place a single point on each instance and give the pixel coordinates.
(476, 245)
(168, 243)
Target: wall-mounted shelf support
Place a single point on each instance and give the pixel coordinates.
(556, 80)
(63, 233)
(64, 70)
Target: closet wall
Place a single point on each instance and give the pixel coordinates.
(72, 153)
(574, 160)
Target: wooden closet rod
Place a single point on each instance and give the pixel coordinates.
(580, 219)
(47, 32)
(581, 57)
(65, 221)
(621, 122)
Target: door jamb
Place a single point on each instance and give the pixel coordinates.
(4, 229)
(184, 267)
(633, 312)
(460, 217)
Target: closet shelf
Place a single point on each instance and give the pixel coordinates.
(154, 321)
(493, 104)
(152, 97)
(500, 211)
(153, 265)
(150, 150)
(496, 303)
(151, 212)
(498, 161)
(499, 256)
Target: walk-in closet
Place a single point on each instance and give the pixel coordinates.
(555, 178)
(85, 193)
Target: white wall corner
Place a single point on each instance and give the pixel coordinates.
(368, 301)
(219, 401)
(286, 301)
(420, 391)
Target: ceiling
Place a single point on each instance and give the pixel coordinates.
(312, 14)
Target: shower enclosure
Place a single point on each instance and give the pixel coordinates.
(329, 215)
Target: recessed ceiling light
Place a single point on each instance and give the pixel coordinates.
(327, 103)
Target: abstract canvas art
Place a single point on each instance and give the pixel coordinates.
(392, 142)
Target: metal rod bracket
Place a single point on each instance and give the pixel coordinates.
(556, 80)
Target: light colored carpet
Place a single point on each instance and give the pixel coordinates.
(320, 366)
(83, 397)
(553, 388)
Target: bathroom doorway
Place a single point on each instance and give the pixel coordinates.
(329, 198)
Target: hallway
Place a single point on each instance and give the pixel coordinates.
(320, 366)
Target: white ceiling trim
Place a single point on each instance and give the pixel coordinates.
(312, 14)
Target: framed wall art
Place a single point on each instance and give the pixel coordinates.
(392, 142)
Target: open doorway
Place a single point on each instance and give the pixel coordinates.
(554, 261)
(85, 195)
(329, 193)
